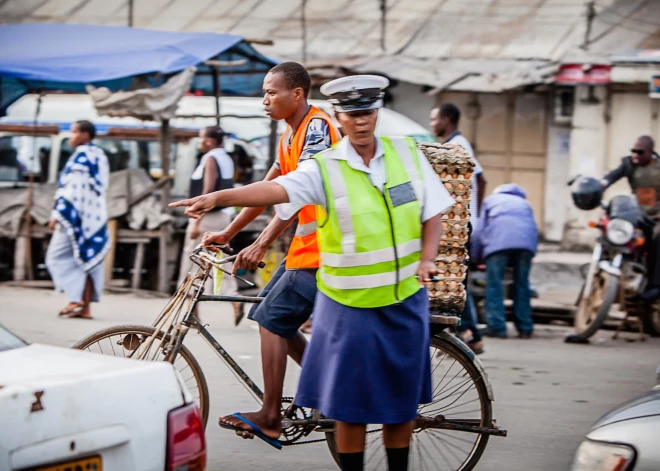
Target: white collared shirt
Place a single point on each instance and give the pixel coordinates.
(305, 184)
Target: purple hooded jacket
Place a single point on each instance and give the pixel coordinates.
(506, 222)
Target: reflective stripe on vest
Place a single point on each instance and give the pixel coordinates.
(370, 258)
(305, 229)
(304, 250)
(371, 241)
(368, 281)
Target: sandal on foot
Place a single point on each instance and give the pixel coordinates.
(71, 309)
(256, 431)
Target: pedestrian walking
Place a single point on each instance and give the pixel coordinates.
(379, 205)
(79, 222)
(508, 237)
(215, 171)
(289, 295)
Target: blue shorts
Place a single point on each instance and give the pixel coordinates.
(289, 301)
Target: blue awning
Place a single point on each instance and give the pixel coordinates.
(35, 57)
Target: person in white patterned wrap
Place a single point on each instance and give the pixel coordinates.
(79, 222)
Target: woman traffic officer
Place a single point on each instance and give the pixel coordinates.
(379, 204)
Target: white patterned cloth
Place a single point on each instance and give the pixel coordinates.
(80, 205)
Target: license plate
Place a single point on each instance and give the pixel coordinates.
(85, 464)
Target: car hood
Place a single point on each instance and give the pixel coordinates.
(44, 364)
(643, 406)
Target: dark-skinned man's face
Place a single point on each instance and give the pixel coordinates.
(279, 101)
(642, 152)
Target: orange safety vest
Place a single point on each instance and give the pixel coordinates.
(304, 250)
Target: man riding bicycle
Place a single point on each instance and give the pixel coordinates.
(289, 295)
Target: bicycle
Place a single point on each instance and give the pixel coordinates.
(462, 398)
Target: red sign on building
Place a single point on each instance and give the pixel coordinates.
(576, 74)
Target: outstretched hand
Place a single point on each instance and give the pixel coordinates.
(196, 207)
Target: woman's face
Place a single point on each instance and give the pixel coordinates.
(359, 126)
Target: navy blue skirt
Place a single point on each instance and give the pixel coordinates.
(368, 366)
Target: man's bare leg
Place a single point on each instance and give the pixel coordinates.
(274, 350)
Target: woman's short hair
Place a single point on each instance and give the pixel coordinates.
(215, 132)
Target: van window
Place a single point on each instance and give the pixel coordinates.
(126, 153)
(20, 155)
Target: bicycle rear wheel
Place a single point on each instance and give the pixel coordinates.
(460, 395)
(122, 340)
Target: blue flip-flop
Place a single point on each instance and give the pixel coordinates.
(255, 430)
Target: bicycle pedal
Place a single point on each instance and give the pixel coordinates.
(245, 434)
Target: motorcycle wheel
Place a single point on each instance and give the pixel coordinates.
(593, 307)
(651, 321)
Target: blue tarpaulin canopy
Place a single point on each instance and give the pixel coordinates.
(42, 57)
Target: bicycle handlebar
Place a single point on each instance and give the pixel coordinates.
(226, 249)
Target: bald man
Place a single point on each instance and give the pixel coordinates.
(642, 169)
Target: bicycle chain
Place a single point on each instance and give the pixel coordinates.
(305, 442)
(319, 440)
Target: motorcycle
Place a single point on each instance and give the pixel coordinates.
(617, 271)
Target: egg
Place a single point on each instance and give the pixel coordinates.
(468, 174)
(454, 175)
(460, 187)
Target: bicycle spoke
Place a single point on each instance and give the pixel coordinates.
(446, 435)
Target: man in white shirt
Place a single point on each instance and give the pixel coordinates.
(444, 124)
(214, 172)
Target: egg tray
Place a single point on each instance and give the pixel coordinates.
(452, 254)
(451, 269)
(445, 287)
(448, 302)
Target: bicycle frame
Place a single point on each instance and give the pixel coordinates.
(168, 322)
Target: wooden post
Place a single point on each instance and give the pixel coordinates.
(165, 141)
(110, 257)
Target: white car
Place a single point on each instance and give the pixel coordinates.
(65, 409)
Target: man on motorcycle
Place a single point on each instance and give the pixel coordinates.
(642, 169)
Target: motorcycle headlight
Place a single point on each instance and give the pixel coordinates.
(601, 456)
(620, 231)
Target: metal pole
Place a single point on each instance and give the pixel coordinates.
(304, 31)
(216, 93)
(383, 23)
(591, 14)
(130, 13)
(165, 141)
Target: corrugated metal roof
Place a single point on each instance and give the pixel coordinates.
(426, 41)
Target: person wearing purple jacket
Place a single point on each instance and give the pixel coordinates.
(507, 237)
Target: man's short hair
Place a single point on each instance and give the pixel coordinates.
(86, 126)
(647, 141)
(215, 132)
(295, 75)
(451, 112)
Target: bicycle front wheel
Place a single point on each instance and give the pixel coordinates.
(460, 400)
(124, 340)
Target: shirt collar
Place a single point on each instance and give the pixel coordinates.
(451, 136)
(347, 152)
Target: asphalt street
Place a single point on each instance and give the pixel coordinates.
(547, 393)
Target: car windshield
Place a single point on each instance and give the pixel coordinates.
(9, 341)
(22, 155)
